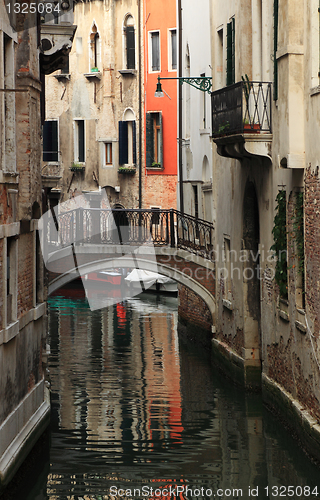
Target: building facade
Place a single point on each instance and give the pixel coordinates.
(161, 59)
(25, 406)
(265, 182)
(196, 145)
(93, 130)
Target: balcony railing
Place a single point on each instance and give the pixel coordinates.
(130, 227)
(244, 107)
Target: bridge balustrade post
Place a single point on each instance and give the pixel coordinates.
(79, 225)
(172, 235)
(167, 228)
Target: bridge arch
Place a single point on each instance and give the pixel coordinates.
(190, 270)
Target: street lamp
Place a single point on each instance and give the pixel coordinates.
(202, 83)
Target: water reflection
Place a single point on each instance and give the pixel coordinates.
(133, 408)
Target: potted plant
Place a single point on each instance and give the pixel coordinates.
(223, 128)
(155, 164)
(127, 170)
(251, 127)
(77, 167)
(95, 70)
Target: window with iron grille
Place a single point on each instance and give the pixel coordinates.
(231, 52)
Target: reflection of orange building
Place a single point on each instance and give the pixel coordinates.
(163, 393)
(161, 58)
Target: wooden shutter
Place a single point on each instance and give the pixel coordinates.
(130, 47)
(231, 52)
(149, 140)
(161, 141)
(275, 48)
(134, 143)
(123, 143)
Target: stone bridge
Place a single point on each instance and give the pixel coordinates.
(89, 240)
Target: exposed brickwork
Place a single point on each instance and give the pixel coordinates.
(312, 245)
(280, 365)
(160, 191)
(305, 388)
(25, 273)
(193, 309)
(235, 342)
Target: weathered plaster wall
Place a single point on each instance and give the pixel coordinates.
(101, 103)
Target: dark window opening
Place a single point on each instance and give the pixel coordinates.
(130, 39)
(80, 141)
(127, 143)
(50, 141)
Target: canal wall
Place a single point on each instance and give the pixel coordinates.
(195, 319)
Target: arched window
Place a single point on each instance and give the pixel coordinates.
(129, 40)
(127, 139)
(94, 48)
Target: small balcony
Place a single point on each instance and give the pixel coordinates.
(241, 119)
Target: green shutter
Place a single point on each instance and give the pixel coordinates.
(233, 51)
(275, 48)
(161, 140)
(149, 140)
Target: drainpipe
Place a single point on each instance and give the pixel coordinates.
(180, 110)
(140, 106)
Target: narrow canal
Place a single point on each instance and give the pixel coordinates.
(135, 409)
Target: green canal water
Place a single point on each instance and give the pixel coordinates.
(138, 414)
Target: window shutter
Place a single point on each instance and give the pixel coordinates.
(134, 143)
(229, 55)
(275, 48)
(149, 140)
(50, 141)
(231, 52)
(123, 143)
(130, 47)
(161, 141)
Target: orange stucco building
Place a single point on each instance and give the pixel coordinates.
(161, 58)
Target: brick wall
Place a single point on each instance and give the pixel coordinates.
(160, 191)
(312, 245)
(25, 273)
(192, 309)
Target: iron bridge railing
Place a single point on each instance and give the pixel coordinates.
(132, 227)
(244, 107)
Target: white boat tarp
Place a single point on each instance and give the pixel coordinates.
(148, 278)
